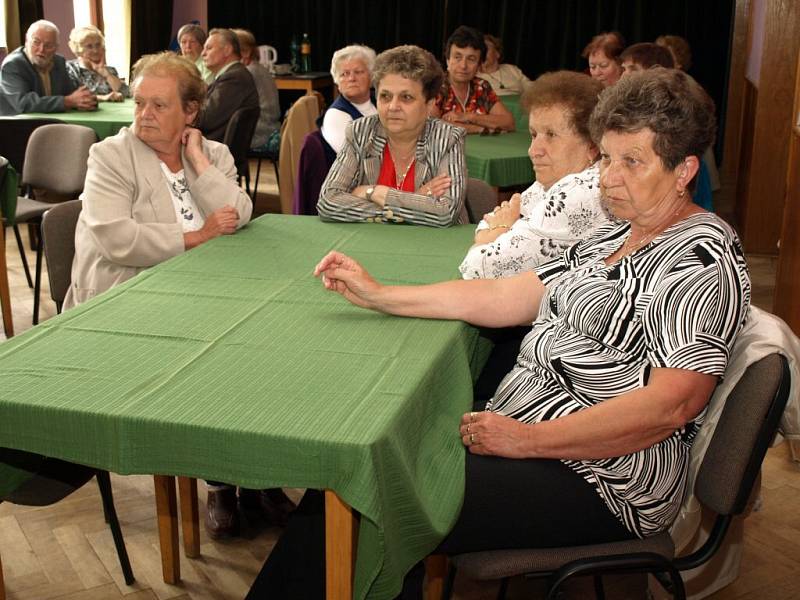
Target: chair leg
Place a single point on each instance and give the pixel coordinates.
(275, 165)
(104, 482)
(2, 585)
(22, 256)
(599, 590)
(501, 591)
(255, 186)
(5, 291)
(449, 582)
(37, 286)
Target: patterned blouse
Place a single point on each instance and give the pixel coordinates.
(186, 211)
(550, 222)
(678, 302)
(93, 81)
(480, 101)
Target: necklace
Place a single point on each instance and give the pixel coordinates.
(399, 179)
(630, 248)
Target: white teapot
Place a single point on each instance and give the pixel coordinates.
(268, 56)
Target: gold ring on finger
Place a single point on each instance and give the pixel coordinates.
(468, 426)
(471, 439)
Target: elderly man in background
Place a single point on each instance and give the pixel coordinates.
(466, 100)
(233, 86)
(34, 78)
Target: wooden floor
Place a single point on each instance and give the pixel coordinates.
(65, 551)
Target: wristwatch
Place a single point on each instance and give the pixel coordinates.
(370, 191)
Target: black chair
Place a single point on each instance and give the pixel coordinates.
(263, 155)
(58, 237)
(5, 292)
(724, 482)
(55, 161)
(53, 480)
(238, 135)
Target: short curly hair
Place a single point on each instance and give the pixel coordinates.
(680, 49)
(610, 43)
(411, 62)
(669, 103)
(79, 35)
(191, 87)
(576, 92)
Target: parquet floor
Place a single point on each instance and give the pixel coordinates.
(65, 551)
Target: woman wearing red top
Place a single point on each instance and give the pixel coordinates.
(399, 165)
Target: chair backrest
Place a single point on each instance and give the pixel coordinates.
(311, 173)
(300, 120)
(57, 156)
(239, 134)
(58, 235)
(744, 431)
(481, 198)
(14, 136)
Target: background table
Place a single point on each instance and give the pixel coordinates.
(231, 362)
(106, 121)
(500, 160)
(512, 103)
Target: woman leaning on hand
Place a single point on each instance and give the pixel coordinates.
(90, 68)
(563, 206)
(399, 165)
(587, 439)
(156, 189)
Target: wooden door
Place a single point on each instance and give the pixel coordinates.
(787, 284)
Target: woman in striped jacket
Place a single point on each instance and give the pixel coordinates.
(399, 166)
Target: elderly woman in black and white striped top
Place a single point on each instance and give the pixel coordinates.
(587, 439)
(399, 165)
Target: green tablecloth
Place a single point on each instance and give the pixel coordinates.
(500, 160)
(232, 363)
(106, 121)
(512, 103)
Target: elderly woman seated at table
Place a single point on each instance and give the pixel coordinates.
(587, 439)
(351, 69)
(563, 206)
(90, 68)
(156, 189)
(191, 39)
(603, 56)
(506, 79)
(399, 165)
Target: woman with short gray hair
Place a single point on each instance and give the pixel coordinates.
(351, 69)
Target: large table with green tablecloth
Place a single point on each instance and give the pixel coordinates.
(512, 103)
(232, 363)
(500, 160)
(106, 121)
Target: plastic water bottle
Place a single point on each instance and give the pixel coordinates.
(305, 54)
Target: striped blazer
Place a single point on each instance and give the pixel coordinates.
(440, 150)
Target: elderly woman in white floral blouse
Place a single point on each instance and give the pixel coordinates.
(563, 206)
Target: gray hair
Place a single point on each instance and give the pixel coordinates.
(355, 52)
(411, 62)
(194, 30)
(43, 24)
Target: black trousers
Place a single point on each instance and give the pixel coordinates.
(534, 503)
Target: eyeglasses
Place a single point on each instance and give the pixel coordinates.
(37, 43)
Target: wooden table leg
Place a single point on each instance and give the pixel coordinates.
(436, 572)
(5, 292)
(190, 516)
(340, 547)
(167, 513)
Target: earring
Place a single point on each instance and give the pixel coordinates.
(682, 193)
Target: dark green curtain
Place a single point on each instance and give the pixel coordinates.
(151, 27)
(29, 12)
(539, 35)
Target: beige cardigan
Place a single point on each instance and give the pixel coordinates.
(128, 221)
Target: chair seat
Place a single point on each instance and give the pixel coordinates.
(258, 153)
(499, 564)
(29, 209)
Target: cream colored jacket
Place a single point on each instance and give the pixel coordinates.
(128, 221)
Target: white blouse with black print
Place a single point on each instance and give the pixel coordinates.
(550, 221)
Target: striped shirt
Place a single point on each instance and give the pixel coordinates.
(440, 150)
(677, 302)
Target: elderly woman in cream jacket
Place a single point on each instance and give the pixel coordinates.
(156, 189)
